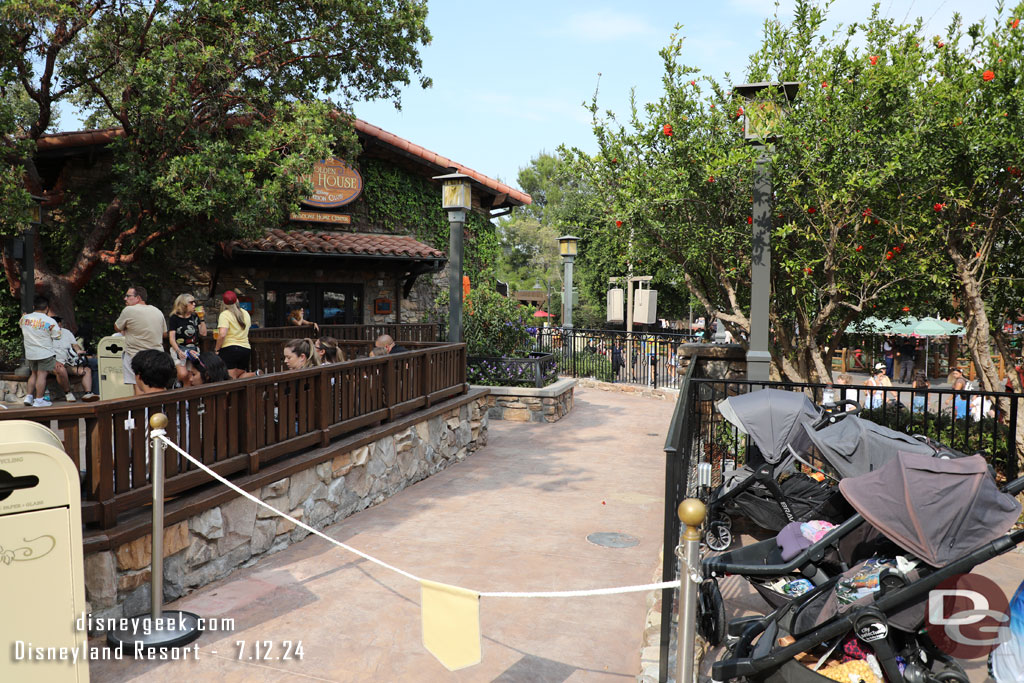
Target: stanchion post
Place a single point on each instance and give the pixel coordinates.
(160, 629)
(157, 423)
(691, 514)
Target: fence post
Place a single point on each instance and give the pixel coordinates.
(691, 513)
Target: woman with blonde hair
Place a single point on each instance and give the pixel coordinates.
(300, 354)
(184, 330)
(329, 350)
(233, 336)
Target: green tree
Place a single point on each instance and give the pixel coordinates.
(219, 104)
(856, 177)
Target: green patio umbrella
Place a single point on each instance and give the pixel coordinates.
(928, 328)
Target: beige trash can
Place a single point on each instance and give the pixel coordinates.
(108, 358)
(42, 575)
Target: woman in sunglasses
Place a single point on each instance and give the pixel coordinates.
(184, 330)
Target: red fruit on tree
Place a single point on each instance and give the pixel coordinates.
(667, 129)
(615, 160)
(812, 210)
(866, 212)
(1014, 23)
(888, 256)
(860, 247)
(906, 309)
(988, 75)
(874, 60)
(1014, 171)
(618, 224)
(824, 84)
(693, 82)
(711, 179)
(808, 270)
(750, 219)
(938, 206)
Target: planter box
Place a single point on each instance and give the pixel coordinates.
(526, 404)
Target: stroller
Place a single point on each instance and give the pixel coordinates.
(851, 446)
(948, 515)
(775, 420)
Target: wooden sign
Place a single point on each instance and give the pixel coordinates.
(320, 217)
(335, 184)
(381, 306)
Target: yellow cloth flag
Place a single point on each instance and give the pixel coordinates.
(451, 624)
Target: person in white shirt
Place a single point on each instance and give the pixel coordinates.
(71, 363)
(39, 332)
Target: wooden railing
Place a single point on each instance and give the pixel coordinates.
(240, 426)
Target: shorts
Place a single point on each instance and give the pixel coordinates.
(184, 347)
(235, 357)
(43, 365)
(126, 368)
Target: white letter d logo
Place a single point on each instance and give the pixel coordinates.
(936, 603)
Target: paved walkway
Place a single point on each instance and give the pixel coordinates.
(513, 516)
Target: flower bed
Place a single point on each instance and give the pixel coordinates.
(537, 370)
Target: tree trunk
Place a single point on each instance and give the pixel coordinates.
(979, 342)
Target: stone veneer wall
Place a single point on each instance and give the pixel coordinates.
(524, 404)
(236, 534)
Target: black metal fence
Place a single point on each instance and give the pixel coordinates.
(968, 421)
(647, 358)
(538, 370)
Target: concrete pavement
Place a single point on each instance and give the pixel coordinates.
(514, 516)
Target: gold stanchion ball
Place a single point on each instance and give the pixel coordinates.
(692, 512)
(158, 421)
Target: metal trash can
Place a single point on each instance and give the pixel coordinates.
(43, 575)
(108, 357)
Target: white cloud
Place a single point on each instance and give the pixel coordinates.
(607, 24)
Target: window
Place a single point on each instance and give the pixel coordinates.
(327, 304)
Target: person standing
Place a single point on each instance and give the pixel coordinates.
(888, 353)
(906, 352)
(39, 332)
(233, 336)
(143, 327)
(183, 333)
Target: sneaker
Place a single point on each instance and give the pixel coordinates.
(41, 403)
(70, 397)
(89, 397)
(29, 398)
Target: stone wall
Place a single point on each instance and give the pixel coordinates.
(211, 545)
(521, 404)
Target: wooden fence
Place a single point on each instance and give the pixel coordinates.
(241, 425)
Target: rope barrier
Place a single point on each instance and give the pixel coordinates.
(408, 575)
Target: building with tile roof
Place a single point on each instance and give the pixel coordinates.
(348, 256)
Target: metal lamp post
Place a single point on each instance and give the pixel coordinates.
(760, 123)
(567, 248)
(456, 199)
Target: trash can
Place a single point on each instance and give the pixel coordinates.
(43, 586)
(108, 357)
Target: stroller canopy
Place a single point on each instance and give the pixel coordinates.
(773, 418)
(937, 509)
(855, 446)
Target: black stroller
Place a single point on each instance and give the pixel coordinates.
(768, 489)
(948, 515)
(850, 446)
(783, 426)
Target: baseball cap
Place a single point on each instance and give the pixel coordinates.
(230, 297)
(879, 367)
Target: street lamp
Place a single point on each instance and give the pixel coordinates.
(456, 199)
(567, 248)
(761, 118)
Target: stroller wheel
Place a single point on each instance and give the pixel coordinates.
(718, 537)
(723, 519)
(710, 612)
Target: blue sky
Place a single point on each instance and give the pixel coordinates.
(510, 78)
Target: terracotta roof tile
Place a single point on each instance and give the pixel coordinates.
(342, 243)
(93, 137)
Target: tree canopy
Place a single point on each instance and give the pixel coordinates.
(896, 179)
(219, 106)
